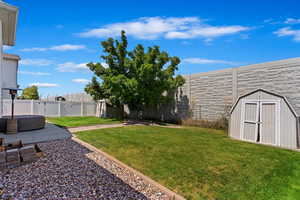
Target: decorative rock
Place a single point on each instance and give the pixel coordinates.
(2, 148)
(28, 154)
(11, 126)
(2, 157)
(12, 154)
(65, 172)
(12, 164)
(13, 145)
(12, 158)
(27, 150)
(2, 166)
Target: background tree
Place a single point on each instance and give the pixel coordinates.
(30, 93)
(135, 78)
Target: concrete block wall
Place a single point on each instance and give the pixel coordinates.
(209, 95)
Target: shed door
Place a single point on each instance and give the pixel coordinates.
(250, 121)
(268, 123)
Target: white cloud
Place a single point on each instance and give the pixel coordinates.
(67, 47)
(80, 80)
(5, 47)
(292, 21)
(34, 73)
(64, 47)
(34, 49)
(207, 61)
(104, 65)
(287, 31)
(272, 21)
(170, 28)
(72, 67)
(206, 32)
(38, 84)
(36, 62)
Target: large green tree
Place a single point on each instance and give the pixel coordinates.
(139, 78)
(30, 93)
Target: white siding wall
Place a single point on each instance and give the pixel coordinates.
(10, 70)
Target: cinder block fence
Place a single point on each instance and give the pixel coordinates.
(210, 95)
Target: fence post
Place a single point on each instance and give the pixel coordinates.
(44, 108)
(31, 107)
(97, 113)
(101, 109)
(105, 114)
(59, 108)
(82, 107)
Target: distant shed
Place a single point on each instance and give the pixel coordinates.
(265, 117)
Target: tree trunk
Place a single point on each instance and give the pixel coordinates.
(122, 111)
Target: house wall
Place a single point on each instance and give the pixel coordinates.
(210, 95)
(10, 70)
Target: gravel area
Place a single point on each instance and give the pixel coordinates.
(69, 171)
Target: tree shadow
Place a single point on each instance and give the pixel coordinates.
(173, 112)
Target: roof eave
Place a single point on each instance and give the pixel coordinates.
(11, 20)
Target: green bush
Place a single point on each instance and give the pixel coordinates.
(221, 123)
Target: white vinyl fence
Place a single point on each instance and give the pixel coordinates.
(55, 108)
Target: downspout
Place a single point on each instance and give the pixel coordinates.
(1, 70)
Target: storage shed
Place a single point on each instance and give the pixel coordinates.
(264, 117)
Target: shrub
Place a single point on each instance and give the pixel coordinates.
(221, 123)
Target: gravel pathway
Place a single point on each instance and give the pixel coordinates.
(68, 172)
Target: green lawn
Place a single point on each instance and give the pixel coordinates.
(80, 121)
(203, 163)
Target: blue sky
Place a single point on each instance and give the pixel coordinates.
(56, 38)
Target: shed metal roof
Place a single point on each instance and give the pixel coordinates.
(268, 92)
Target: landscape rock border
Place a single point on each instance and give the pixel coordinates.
(172, 195)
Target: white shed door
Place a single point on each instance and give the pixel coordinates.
(268, 123)
(251, 121)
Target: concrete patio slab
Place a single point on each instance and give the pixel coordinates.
(102, 126)
(93, 127)
(49, 133)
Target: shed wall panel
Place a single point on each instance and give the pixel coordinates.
(235, 122)
(250, 132)
(288, 131)
(268, 125)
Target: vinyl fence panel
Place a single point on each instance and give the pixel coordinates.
(51, 108)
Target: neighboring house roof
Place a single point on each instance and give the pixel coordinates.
(268, 92)
(9, 18)
(11, 57)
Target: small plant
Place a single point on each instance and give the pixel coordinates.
(221, 123)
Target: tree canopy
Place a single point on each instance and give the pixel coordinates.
(30, 93)
(138, 78)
